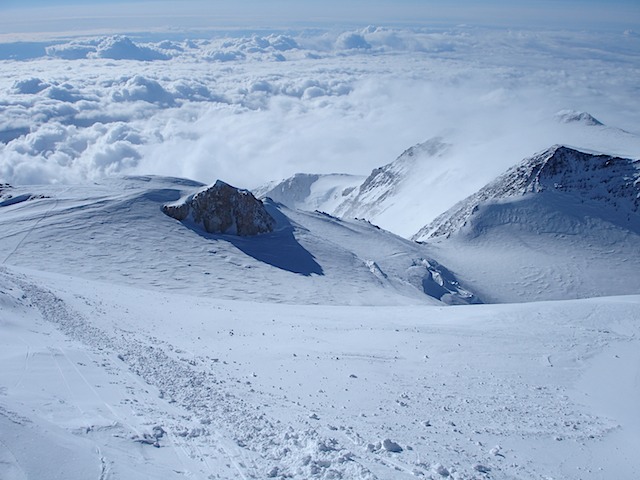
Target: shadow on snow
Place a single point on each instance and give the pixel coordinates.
(279, 249)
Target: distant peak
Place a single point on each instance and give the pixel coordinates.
(574, 116)
(432, 147)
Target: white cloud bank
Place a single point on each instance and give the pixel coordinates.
(252, 108)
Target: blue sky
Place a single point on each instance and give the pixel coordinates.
(118, 14)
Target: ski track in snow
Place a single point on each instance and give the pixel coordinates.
(209, 409)
(220, 425)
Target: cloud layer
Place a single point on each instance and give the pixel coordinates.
(252, 108)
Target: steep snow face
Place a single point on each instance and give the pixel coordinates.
(312, 191)
(375, 194)
(611, 181)
(307, 258)
(222, 208)
(562, 224)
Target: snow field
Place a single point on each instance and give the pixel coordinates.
(242, 390)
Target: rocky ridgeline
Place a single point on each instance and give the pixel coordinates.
(608, 180)
(222, 208)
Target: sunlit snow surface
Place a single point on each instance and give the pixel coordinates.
(95, 373)
(136, 347)
(133, 346)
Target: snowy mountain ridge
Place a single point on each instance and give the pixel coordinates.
(380, 196)
(609, 180)
(371, 197)
(308, 257)
(306, 191)
(432, 176)
(561, 224)
(573, 116)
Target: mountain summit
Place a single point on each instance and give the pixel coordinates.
(561, 224)
(607, 180)
(378, 191)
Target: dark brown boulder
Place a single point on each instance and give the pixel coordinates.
(222, 208)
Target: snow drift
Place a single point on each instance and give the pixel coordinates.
(299, 257)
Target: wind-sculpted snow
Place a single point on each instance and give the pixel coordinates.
(329, 260)
(138, 382)
(611, 181)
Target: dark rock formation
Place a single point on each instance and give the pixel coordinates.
(222, 208)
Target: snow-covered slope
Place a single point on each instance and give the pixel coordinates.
(112, 381)
(117, 232)
(561, 224)
(394, 184)
(610, 181)
(134, 346)
(429, 177)
(311, 192)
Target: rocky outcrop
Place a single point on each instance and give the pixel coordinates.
(4, 191)
(222, 208)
